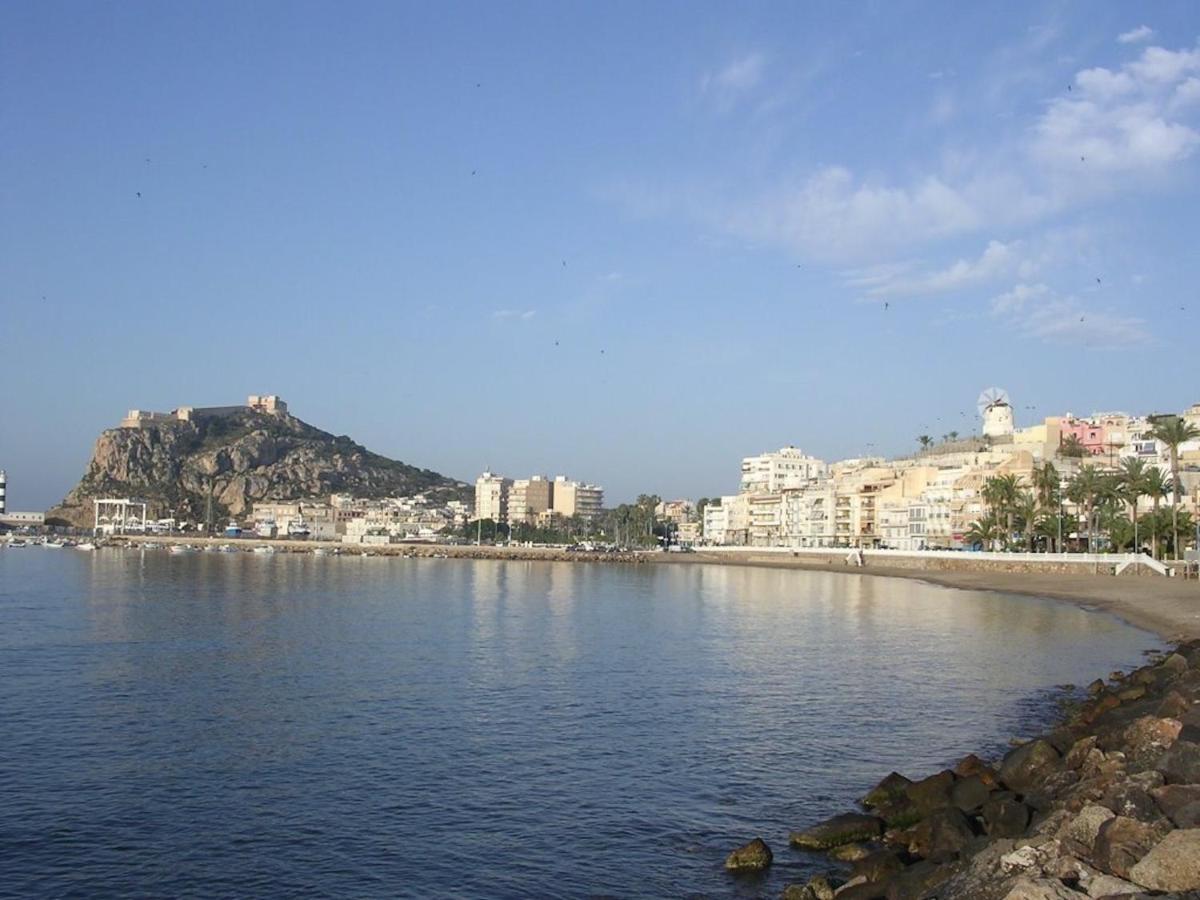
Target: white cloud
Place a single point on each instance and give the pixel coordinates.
(728, 85)
(1136, 35)
(997, 259)
(1038, 311)
(514, 313)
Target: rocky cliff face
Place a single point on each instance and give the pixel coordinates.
(240, 458)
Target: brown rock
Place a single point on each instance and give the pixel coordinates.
(878, 866)
(1173, 864)
(887, 791)
(844, 829)
(749, 857)
(1040, 889)
(1005, 816)
(972, 765)
(970, 793)
(1146, 738)
(1085, 826)
(849, 853)
(931, 793)
(1181, 763)
(1079, 751)
(1175, 664)
(1121, 842)
(1026, 765)
(1180, 803)
(941, 835)
(1174, 705)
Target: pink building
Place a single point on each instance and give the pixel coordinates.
(1093, 437)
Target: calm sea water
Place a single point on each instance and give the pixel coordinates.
(238, 725)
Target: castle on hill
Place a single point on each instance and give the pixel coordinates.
(265, 403)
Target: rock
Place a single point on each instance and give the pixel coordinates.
(1173, 864)
(819, 887)
(1121, 842)
(1040, 889)
(1026, 765)
(844, 829)
(971, 765)
(970, 793)
(1129, 694)
(1109, 885)
(749, 857)
(1085, 826)
(849, 853)
(931, 793)
(941, 835)
(1095, 687)
(900, 813)
(1174, 705)
(1181, 763)
(1175, 664)
(1126, 798)
(868, 890)
(1005, 816)
(1180, 803)
(891, 788)
(878, 866)
(1146, 738)
(1023, 859)
(1078, 754)
(917, 880)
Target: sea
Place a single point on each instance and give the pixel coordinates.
(241, 725)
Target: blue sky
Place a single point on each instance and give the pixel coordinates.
(629, 242)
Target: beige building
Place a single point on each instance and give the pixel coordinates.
(529, 499)
(573, 498)
(491, 497)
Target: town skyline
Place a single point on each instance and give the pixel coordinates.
(830, 229)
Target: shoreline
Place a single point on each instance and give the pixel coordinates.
(1168, 607)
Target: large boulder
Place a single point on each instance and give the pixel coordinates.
(941, 835)
(1180, 803)
(887, 791)
(1121, 842)
(1084, 828)
(878, 866)
(1005, 816)
(844, 829)
(749, 857)
(931, 793)
(918, 880)
(972, 765)
(819, 887)
(1173, 864)
(1181, 763)
(1024, 767)
(971, 792)
(1145, 739)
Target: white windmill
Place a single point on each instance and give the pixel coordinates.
(996, 412)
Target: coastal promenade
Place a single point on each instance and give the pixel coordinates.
(1170, 607)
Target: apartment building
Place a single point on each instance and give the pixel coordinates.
(491, 497)
(574, 498)
(529, 499)
(770, 473)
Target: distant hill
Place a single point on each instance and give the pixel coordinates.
(242, 455)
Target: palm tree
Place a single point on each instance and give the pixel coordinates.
(983, 531)
(1026, 509)
(925, 441)
(1131, 483)
(1173, 431)
(953, 436)
(1121, 531)
(1072, 448)
(1046, 483)
(1000, 494)
(1085, 489)
(1156, 487)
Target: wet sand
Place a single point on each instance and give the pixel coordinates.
(1170, 607)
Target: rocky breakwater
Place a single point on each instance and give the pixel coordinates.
(1105, 805)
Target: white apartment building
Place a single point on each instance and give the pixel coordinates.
(770, 473)
(808, 514)
(573, 498)
(491, 497)
(727, 523)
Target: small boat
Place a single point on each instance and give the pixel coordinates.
(182, 548)
(86, 545)
(17, 544)
(54, 544)
(264, 549)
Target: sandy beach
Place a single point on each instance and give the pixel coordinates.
(1170, 607)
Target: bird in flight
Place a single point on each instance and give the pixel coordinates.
(885, 304)
(139, 193)
(1068, 87)
(1097, 281)
(564, 263)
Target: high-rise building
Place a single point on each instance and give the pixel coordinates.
(491, 497)
(573, 498)
(528, 498)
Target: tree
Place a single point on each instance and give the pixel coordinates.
(983, 531)
(1025, 507)
(1047, 484)
(952, 436)
(1121, 531)
(1131, 482)
(925, 441)
(1173, 431)
(1000, 494)
(1085, 489)
(1155, 486)
(1072, 448)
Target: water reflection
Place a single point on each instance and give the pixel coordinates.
(615, 728)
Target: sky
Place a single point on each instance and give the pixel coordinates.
(627, 242)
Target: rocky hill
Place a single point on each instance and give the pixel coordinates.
(240, 457)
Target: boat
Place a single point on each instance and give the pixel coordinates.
(182, 548)
(298, 530)
(17, 543)
(264, 549)
(86, 545)
(54, 544)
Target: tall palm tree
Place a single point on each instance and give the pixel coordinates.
(1173, 431)
(983, 531)
(1000, 494)
(1155, 486)
(1026, 508)
(1131, 483)
(1085, 489)
(1046, 483)
(925, 441)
